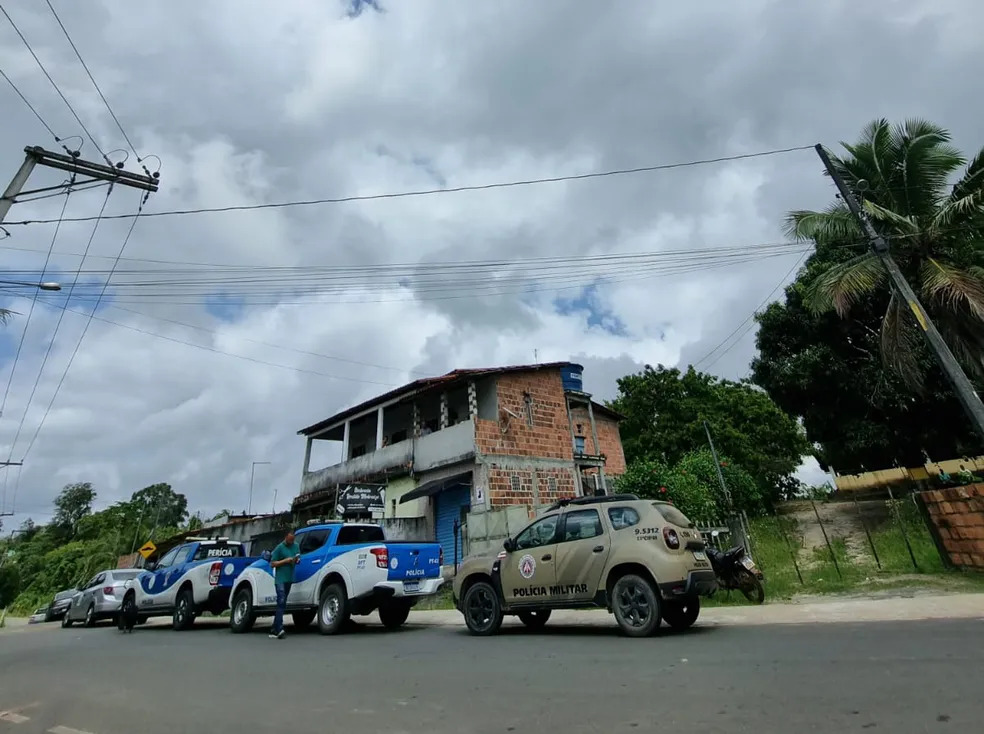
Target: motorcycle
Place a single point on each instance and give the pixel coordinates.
(736, 570)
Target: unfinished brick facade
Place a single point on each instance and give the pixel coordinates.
(548, 437)
(532, 487)
(609, 438)
(957, 515)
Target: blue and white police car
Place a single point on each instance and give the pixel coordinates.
(344, 569)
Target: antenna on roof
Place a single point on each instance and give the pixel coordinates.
(536, 357)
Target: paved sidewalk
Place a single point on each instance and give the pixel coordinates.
(894, 609)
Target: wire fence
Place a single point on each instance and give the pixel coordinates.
(815, 547)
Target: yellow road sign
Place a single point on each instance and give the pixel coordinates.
(147, 549)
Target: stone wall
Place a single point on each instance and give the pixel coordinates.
(957, 522)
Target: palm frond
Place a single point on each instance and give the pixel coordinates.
(5, 315)
(952, 289)
(841, 285)
(899, 222)
(835, 224)
(965, 337)
(966, 200)
(927, 161)
(899, 342)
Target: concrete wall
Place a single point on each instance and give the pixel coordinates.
(484, 531)
(409, 528)
(957, 522)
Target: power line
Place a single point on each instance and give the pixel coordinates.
(30, 106)
(61, 315)
(34, 301)
(55, 85)
(751, 316)
(78, 344)
(452, 190)
(93, 80)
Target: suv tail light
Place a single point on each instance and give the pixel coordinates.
(382, 557)
(213, 573)
(108, 590)
(671, 538)
(440, 557)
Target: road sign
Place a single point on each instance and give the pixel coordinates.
(147, 549)
(361, 499)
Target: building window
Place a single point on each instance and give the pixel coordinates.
(528, 407)
(552, 484)
(515, 481)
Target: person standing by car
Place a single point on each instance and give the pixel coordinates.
(283, 559)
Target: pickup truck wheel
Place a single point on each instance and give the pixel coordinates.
(636, 606)
(184, 610)
(302, 620)
(242, 618)
(534, 619)
(332, 609)
(681, 615)
(393, 614)
(483, 612)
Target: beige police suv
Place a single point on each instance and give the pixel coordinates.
(642, 560)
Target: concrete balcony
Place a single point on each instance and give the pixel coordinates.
(441, 448)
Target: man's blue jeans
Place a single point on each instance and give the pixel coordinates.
(283, 591)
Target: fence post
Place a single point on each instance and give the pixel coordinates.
(789, 546)
(833, 556)
(868, 534)
(905, 536)
(934, 532)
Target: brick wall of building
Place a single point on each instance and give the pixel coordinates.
(516, 486)
(609, 439)
(549, 437)
(957, 515)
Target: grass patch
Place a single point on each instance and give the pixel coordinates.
(441, 601)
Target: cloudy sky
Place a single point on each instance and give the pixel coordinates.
(254, 102)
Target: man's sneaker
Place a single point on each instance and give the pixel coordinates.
(281, 635)
(273, 635)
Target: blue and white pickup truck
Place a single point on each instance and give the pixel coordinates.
(188, 580)
(344, 569)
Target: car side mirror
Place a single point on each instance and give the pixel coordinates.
(150, 566)
(509, 545)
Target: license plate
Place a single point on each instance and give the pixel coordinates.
(700, 556)
(748, 563)
(410, 587)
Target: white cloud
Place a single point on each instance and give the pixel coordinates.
(247, 102)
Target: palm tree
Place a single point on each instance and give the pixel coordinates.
(901, 174)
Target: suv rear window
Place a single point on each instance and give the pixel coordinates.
(354, 534)
(673, 515)
(218, 550)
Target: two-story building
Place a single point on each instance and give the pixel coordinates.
(469, 441)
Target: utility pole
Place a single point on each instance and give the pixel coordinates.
(962, 385)
(717, 465)
(73, 164)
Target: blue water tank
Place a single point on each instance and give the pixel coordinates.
(571, 377)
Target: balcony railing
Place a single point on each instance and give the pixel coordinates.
(448, 446)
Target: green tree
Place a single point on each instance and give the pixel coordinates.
(653, 479)
(665, 408)
(160, 506)
(828, 372)
(71, 505)
(902, 174)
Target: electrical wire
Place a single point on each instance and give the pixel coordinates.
(451, 190)
(55, 85)
(93, 80)
(34, 301)
(30, 106)
(58, 323)
(749, 318)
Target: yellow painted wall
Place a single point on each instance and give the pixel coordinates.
(883, 477)
(395, 490)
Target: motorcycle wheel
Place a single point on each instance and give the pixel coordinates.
(750, 586)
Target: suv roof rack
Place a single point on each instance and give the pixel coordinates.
(599, 499)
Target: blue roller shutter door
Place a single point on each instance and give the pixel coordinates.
(447, 509)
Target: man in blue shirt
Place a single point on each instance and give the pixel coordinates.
(283, 559)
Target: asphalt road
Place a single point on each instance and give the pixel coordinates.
(894, 677)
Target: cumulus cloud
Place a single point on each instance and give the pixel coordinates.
(245, 102)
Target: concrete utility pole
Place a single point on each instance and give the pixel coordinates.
(962, 385)
(38, 156)
(717, 465)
